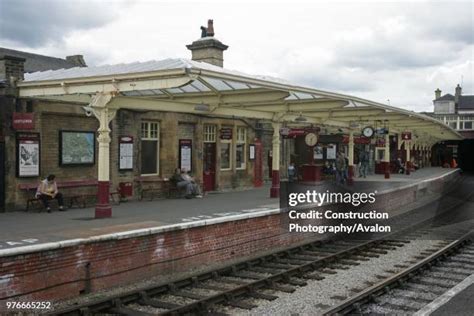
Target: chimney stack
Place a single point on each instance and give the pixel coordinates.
(12, 70)
(77, 60)
(457, 94)
(437, 94)
(208, 49)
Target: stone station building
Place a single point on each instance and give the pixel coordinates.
(152, 117)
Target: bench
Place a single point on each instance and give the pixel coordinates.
(74, 199)
(156, 187)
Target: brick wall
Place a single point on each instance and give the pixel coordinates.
(61, 273)
(65, 272)
(51, 117)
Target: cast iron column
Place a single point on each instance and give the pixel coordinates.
(275, 189)
(387, 157)
(350, 171)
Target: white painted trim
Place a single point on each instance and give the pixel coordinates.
(446, 297)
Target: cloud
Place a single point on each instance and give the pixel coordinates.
(377, 50)
(34, 23)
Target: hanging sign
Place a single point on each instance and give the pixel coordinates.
(185, 154)
(226, 133)
(22, 121)
(287, 132)
(126, 153)
(406, 135)
(357, 139)
(28, 154)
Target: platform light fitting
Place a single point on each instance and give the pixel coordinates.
(202, 108)
(300, 118)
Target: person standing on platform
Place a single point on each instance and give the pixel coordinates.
(48, 190)
(340, 168)
(364, 163)
(292, 172)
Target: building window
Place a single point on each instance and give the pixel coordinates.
(452, 125)
(210, 133)
(226, 155)
(241, 140)
(150, 146)
(468, 125)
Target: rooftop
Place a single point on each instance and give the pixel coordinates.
(36, 62)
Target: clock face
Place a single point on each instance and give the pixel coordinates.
(368, 131)
(311, 139)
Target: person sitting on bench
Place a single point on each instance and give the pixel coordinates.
(184, 181)
(48, 190)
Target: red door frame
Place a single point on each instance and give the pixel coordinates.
(209, 167)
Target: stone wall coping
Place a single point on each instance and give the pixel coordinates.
(173, 227)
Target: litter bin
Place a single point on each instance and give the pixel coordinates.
(126, 189)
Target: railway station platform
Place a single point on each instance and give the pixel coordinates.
(19, 229)
(64, 254)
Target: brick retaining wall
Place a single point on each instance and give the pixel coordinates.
(66, 269)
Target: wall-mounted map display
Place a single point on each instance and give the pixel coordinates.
(76, 148)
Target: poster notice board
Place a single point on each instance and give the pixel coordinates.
(28, 155)
(185, 154)
(331, 151)
(126, 153)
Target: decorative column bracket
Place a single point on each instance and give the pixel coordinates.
(98, 107)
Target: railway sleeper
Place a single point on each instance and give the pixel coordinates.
(186, 294)
(316, 277)
(281, 288)
(293, 281)
(431, 283)
(317, 253)
(249, 276)
(120, 309)
(348, 262)
(276, 266)
(210, 287)
(265, 270)
(464, 262)
(263, 296)
(397, 307)
(240, 304)
(359, 258)
(145, 300)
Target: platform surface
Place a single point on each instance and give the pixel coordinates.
(18, 229)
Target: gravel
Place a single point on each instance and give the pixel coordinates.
(317, 296)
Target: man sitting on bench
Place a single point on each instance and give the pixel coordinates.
(48, 190)
(184, 181)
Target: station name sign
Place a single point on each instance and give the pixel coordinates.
(287, 132)
(23, 121)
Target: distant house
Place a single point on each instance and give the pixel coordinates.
(36, 62)
(456, 110)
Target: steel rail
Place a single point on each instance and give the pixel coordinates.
(354, 303)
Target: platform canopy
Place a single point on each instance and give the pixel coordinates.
(186, 86)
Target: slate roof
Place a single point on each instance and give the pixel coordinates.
(446, 97)
(138, 67)
(36, 62)
(466, 102)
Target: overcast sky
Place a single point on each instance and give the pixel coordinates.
(401, 51)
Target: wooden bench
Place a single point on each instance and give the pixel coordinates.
(155, 187)
(74, 199)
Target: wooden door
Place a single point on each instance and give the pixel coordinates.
(209, 170)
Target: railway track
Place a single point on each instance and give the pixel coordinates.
(416, 286)
(237, 285)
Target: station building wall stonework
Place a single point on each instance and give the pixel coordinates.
(51, 118)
